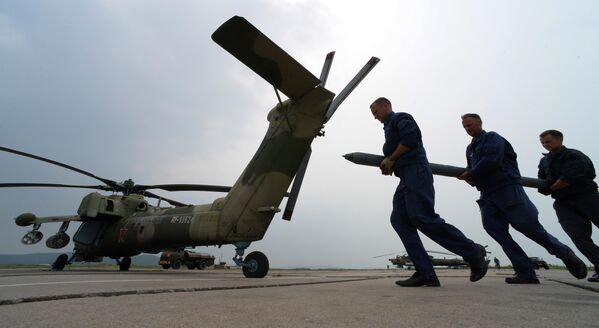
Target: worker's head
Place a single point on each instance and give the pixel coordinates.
(552, 140)
(381, 109)
(473, 124)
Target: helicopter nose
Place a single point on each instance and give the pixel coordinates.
(25, 219)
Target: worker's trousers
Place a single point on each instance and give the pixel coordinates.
(414, 209)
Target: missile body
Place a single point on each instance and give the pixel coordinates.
(438, 169)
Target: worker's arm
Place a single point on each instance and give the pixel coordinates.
(389, 161)
(409, 138)
(559, 184)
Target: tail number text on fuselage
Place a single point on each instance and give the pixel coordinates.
(181, 219)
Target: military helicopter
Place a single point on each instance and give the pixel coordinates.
(402, 260)
(124, 224)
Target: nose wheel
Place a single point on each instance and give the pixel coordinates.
(60, 262)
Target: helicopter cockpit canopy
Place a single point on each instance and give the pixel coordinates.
(98, 206)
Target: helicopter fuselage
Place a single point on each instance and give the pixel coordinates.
(127, 225)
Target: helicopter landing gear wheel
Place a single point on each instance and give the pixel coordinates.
(166, 266)
(125, 264)
(60, 262)
(255, 265)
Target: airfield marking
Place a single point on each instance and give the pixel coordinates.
(590, 288)
(128, 280)
(168, 290)
(94, 281)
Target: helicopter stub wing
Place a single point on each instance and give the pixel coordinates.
(27, 219)
(244, 41)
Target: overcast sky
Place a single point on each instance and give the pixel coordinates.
(137, 89)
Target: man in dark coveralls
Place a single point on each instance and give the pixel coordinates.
(570, 175)
(493, 169)
(414, 199)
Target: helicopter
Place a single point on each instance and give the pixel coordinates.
(124, 224)
(404, 261)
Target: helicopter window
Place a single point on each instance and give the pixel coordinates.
(109, 205)
(89, 231)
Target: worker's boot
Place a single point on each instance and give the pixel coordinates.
(575, 265)
(417, 280)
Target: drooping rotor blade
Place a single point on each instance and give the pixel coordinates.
(184, 187)
(55, 185)
(244, 41)
(299, 176)
(170, 201)
(350, 87)
(387, 254)
(111, 183)
(443, 253)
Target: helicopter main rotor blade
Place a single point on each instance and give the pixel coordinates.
(374, 257)
(443, 253)
(111, 183)
(184, 187)
(53, 185)
(170, 201)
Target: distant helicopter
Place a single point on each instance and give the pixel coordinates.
(402, 260)
(123, 224)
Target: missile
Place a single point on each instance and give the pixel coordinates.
(437, 169)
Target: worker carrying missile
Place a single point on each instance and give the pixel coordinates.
(570, 174)
(493, 169)
(414, 199)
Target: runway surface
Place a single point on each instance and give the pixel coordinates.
(289, 298)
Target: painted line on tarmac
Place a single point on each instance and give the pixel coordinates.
(130, 280)
(97, 281)
(581, 286)
(166, 290)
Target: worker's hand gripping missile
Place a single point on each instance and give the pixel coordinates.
(387, 166)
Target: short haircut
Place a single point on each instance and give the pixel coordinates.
(381, 101)
(473, 115)
(553, 133)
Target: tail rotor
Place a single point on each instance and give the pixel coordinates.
(299, 177)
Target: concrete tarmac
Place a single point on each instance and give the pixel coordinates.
(290, 298)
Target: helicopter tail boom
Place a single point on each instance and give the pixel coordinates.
(255, 197)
